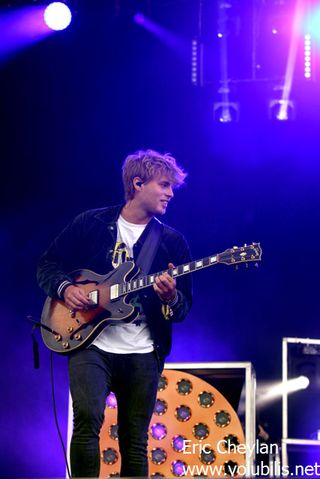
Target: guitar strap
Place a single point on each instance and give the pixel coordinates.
(149, 247)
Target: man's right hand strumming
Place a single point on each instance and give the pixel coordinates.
(75, 298)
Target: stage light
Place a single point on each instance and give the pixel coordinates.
(160, 407)
(205, 399)
(139, 18)
(110, 456)
(184, 387)
(178, 443)
(158, 431)
(307, 56)
(225, 111)
(178, 468)
(113, 432)
(57, 16)
(266, 393)
(111, 401)
(222, 418)
(200, 431)
(281, 110)
(183, 413)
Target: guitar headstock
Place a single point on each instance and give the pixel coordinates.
(242, 254)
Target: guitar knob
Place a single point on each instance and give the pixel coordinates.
(72, 313)
(78, 337)
(58, 337)
(70, 329)
(65, 345)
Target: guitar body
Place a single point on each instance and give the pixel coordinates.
(64, 331)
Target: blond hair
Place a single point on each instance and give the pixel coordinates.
(148, 165)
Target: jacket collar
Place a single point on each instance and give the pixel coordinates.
(111, 214)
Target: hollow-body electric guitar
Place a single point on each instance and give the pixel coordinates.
(64, 330)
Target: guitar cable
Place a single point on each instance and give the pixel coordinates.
(36, 363)
(56, 416)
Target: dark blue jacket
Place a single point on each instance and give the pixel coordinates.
(88, 243)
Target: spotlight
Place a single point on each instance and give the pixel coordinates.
(158, 431)
(163, 383)
(307, 56)
(207, 456)
(57, 16)
(160, 407)
(158, 455)
(281, 110)
(111, 401)
(178, 443)
(222, 418)
(266, 393)
(113, 432)
(183, 413)
(205, 399)
(226, 112)
(184, 387)
(200, 431)
(178, 468)
(109, 456)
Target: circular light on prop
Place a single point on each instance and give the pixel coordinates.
(160, 407)
(158, 455)
(163, 383)
(109, 456)
(183, 413)
(231, 468)
(113, 432)
(230, 441)
(177, 443)
(57, 16)
(178, 468)
(158, 431)
(222, 418)
(205, 399)
(111, 401)
(207, 456)
(184, 387)
(200, 431)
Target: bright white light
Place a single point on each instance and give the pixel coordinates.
(57, 16)
(267, 392)
(274, 31)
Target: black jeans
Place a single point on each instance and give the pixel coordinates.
(134, 379)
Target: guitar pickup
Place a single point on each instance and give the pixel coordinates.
(114, 291)
(94, 298)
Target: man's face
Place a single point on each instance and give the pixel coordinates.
(155, 195)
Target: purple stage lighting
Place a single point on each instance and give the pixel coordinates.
(139, 18)
(158, 431)
(178, 468)
(57, 16)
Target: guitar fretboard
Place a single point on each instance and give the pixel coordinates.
(146, 281)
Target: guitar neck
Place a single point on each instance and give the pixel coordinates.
(148, 280)
(231, 256)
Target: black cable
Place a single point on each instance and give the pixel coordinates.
(55, 414)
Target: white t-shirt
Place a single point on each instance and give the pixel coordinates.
(121, 337)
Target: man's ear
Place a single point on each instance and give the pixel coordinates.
(137, 183)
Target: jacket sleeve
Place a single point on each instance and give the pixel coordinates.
(59, 259)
